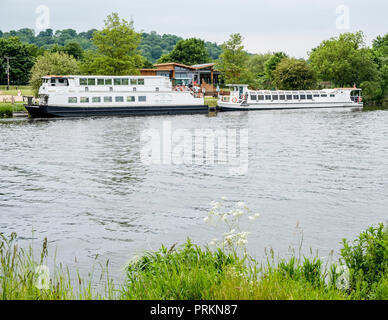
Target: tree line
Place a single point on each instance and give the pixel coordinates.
(118, 49)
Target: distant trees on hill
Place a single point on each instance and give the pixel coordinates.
(152, 45)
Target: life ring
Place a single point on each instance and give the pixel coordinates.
(234, 100)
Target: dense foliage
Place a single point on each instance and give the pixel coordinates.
(52, 63)
(116, 52)
(294, 74)
(189, 52)
(20, 62)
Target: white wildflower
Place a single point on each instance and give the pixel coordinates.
(42, 281)
(240, 204)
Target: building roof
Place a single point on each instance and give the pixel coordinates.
(175, 64)
(203, 65)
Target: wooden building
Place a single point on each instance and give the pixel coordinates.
(180, 74)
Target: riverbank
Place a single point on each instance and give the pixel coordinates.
(189, 272)
(7, 110)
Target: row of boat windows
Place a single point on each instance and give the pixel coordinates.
(109, 82)
(107, 99)
(288, 97)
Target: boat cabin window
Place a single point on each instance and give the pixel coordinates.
(124, 82)
(100, 82)
(133, 82)
(140, 82)
(289, 97)
(316, 95)
(91, 82)
(275, 97)
(84, 100)
(72, 100)
(83, 82)
(142, 98)
(323, 95)
(108, 82)
(282, 97)
(296, 97)
(131, 99)
(309, 96)
(107, 99)
(302, 97)
(267, 97)
(332, 95)
(261, 97)
(119, 99)
(253, 97)
(117, 82)
(96, 99)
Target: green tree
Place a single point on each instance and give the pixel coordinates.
(294, 74)
(117, 48)
(190, 51)
(21, 60)
(57, 63)
(233, 61)
(256, 66)
(74, 49)
(344, 60)
(271, 64)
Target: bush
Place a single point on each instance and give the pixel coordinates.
(186, 273)
(367, 260)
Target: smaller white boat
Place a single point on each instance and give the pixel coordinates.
(243, 99)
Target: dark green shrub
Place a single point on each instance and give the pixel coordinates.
(367, 260)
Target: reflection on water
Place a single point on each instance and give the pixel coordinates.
(83, 184)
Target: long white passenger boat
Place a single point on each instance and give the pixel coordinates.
(243, 99)
(80, 96)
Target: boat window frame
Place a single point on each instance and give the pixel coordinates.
(131, 99)
(100, 84)
(108, 99)
(118, 100)
(108, 82)
(84, 99)
(140, 98)
(94, 98)
(83, 81)
(72, 100)
(91, 81)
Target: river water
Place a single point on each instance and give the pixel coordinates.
(92, 188)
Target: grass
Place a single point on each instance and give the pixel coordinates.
(7, 109)
(25, 90)
(190, 272)
(210, 101)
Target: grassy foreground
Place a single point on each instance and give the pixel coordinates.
(192, 272)
(7, 109)
(13, 90)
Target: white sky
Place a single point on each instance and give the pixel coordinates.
(266, 25)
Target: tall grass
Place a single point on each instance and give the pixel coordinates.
(25, 277)
(191, 272)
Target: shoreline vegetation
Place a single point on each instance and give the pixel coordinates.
(191, 272)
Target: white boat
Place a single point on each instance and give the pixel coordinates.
(243, 99)
(79, 96)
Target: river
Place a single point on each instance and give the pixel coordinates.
(92, 188)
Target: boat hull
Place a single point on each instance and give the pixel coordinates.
(38, 111)
(237, 107)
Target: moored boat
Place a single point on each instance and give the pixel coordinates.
(243, 99)
(80, 96)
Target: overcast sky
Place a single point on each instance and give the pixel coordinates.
(266, 25)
